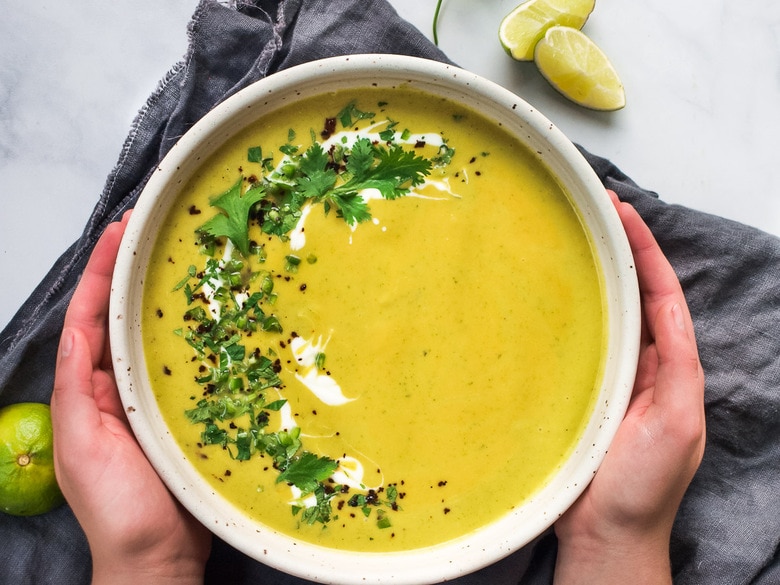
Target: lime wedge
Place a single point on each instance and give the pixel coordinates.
(522, 28)
(579, 69)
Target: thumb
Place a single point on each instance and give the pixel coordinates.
(73, 409)
(679, 388)
(680, 383)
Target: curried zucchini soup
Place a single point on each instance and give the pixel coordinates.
(374, 321)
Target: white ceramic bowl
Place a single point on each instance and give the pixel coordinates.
(451, 559)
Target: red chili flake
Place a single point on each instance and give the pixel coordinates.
(194, 210)
(446, 510)
(329, 129)
(419, 144)
(159, 313)
(166, 370)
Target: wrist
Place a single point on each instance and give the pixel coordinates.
(136, 575)
(622, 556)
(185, 571)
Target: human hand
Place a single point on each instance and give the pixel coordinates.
(137, 531)
(618, 531)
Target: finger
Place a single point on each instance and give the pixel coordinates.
(680, 379)
(658, 283)
(88, 309)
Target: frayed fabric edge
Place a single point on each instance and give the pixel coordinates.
(101, 216)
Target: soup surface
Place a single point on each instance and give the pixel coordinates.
(382, 342)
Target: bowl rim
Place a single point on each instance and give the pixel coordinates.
(453, 558)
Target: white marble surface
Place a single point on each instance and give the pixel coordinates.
(701, 127)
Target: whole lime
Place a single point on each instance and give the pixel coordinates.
(27, 482)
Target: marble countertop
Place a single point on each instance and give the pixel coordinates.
(701, 126)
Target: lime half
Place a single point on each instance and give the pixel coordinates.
(522, 28)
(579, 69)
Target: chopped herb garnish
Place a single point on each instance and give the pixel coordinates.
(255, 154)
(351, 114)
(235, 217)
(231, 298)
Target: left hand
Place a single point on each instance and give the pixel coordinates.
(137, 531)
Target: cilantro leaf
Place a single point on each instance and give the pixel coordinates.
(394, 172)
(307, 471)
(403, 167)
(233, 222)
(317, 178)
(361, 159)
(351, 206)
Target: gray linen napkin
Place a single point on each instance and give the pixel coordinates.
(728, 528)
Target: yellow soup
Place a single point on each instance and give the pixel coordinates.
(391, 368)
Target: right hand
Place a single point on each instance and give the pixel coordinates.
(619, 530)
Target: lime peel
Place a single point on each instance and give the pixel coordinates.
(28, 485)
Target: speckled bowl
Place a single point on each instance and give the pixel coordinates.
(450, 559)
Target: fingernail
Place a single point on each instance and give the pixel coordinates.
(679, 318)
(66, 343)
